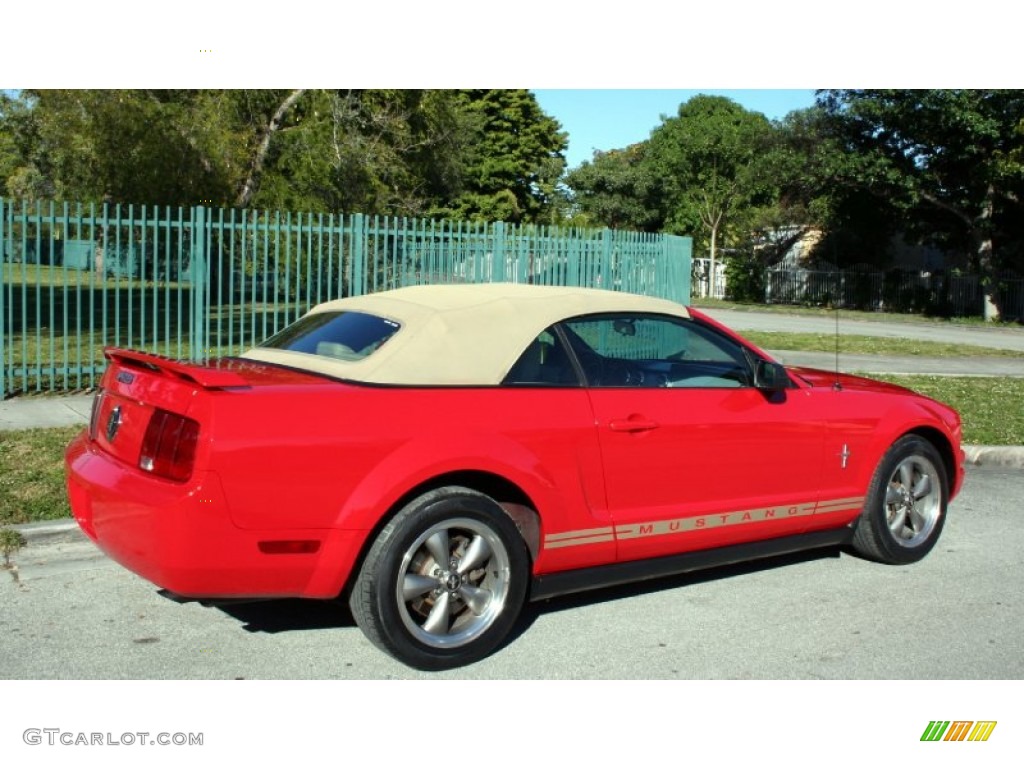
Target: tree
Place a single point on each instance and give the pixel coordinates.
(316, 150)
(9, 155)
(110, 146)
(709, 157)
(618, 189)
(803, 164)
(399, 152)
(949, 159)
(515, 161)
(482, 154)
(259, 154)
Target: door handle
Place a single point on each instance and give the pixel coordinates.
(632, 424)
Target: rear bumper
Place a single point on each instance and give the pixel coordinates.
(181, 537)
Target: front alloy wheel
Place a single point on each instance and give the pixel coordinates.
(905, 507)
(913, 501)
(443, 583)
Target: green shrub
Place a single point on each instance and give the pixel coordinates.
(744, 278)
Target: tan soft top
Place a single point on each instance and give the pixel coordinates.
(468, 334)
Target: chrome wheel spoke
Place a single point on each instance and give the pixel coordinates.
(476, 598)
(437, 545)
(437, 621)
(897, 523)
(907, 475)
(414, 585)
(923, 487)
(917, 521)
(892, 494)
(477, 551)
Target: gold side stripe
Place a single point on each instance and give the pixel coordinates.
(699, 523)
(577, 542)
(577, 534)
(839, 505)
(704, 522)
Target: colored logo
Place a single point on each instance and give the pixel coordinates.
(959, 730)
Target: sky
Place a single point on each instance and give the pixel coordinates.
(598, 119)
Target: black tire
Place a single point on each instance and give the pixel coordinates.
(905, 508)
(432, 615)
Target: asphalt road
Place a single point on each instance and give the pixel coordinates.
(72, 614)
(976, 335)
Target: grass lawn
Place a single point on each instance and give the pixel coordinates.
(32, 474)
(992, 409)
(44, 276)
(32, 468)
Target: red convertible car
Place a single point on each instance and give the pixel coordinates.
(436, 455)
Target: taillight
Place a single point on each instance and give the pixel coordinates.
(94, 417)
(169, 447)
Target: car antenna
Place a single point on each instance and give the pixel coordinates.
(837, 385)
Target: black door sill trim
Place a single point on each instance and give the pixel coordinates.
(580, 580)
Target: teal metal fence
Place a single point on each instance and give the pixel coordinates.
(199, 282)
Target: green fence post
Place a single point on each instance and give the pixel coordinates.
(606, 261)
(359, 281)
(686, 264)
(498, 253)
(3, 299)
(198, 332)
(678, 254)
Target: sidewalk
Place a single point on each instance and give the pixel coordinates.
(33, 412)
(972, 335)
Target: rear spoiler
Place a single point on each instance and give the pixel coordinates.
(208, 376)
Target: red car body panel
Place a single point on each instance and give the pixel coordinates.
(312, 460)
(867, 416)
(728, 451)
(295, 472)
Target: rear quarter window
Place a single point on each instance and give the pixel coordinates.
(338, 335)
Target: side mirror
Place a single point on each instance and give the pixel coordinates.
(771, 377)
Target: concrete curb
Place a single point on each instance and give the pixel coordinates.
(50, 531)
(1007, 456)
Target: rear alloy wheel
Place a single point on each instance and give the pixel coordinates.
(906, 504)
(444, 582)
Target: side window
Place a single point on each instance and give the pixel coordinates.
(655, 351)
(543, 363)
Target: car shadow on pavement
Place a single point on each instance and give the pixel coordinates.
(663, 583)
(297, 615)
(288, 615)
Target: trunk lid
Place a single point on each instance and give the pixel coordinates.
(151, 406)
